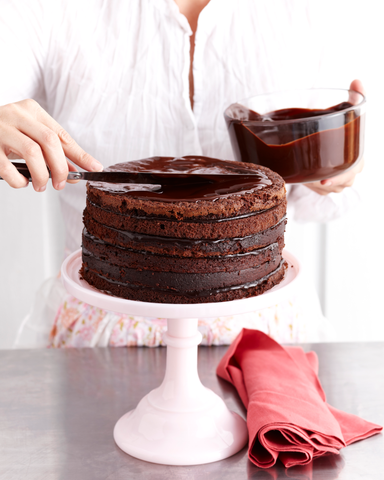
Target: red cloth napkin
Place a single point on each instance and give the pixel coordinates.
(288, 417)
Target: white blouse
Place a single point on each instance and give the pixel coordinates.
(114, 74)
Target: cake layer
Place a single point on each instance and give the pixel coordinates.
(94, 247)
(264, 190)
(163, 295)
(180, 282)
(183, 246)
(230, 227)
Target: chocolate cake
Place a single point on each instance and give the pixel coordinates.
(197, 242)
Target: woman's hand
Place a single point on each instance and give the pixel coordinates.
(28, 132)
(338, 183)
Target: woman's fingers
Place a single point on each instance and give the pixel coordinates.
(10, 174)
(72, 168)
(50, 146)
(356, 86)
(71, 149)
(28, 132)
(338, 183)
(31, 152)
(346, 178)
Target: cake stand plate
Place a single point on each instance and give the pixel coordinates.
(181, 422)
(83, 291)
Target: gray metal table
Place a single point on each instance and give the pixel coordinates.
(58, 409)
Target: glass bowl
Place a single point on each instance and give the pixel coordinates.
(304, 135)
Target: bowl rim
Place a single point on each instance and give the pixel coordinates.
(298, 120)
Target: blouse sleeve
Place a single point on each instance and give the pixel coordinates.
(24, 36)
(309, 206)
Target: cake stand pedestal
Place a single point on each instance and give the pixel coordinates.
(181, 422)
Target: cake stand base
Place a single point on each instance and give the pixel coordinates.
(181, 422)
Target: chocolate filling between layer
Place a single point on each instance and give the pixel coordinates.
(182, 246)
(180, 282)
(142, 260)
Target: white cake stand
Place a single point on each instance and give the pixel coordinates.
(181, 422)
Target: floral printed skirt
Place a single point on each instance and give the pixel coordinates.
(58, 319)
(78, 324)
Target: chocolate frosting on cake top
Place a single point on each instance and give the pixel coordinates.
(261, 189)
(203, 189)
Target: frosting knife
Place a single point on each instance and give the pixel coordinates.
(152, 178)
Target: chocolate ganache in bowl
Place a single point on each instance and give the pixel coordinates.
(303, 135)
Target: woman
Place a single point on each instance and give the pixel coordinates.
(128, 80)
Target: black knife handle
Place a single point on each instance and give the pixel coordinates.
(24, 170)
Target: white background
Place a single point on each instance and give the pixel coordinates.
(343, 259)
